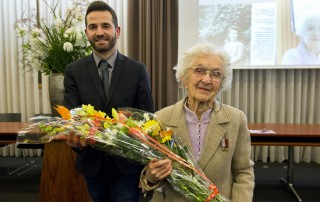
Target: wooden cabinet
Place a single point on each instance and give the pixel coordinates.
(59, 179)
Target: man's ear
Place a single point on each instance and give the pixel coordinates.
(118, 32)
(85, 31)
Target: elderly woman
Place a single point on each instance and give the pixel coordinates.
(217, 134)
(308, 50)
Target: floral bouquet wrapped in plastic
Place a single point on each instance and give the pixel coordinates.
(133, 134)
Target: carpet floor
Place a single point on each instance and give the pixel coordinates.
(25, 188)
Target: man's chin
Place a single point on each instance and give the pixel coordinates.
(102, 49)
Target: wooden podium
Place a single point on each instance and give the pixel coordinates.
(59, 179)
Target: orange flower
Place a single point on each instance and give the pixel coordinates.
(64, 112)
(166, 135)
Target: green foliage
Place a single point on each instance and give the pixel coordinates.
(50, 47)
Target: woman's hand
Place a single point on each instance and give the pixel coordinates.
(158, 170)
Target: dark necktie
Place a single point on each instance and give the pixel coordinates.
(105, 76)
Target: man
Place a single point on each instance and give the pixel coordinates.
(108, 178)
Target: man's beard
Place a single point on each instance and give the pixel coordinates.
(112, 43)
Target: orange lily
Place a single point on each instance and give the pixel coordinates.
(64, 112)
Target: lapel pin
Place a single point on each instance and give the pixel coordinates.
(225, 144)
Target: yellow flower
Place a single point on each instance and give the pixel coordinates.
(115, 114)
(89, 109)
(99, 114)
(106, 125)
(152, 127)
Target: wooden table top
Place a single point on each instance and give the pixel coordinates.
(9, 131)
(286, 134)
(7, 128)
(285, 129)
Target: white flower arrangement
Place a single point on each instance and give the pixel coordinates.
(49, 47)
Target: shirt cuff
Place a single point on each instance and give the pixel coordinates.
(146, 185)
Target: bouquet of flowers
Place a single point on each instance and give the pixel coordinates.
(48, 45)
(133, 134)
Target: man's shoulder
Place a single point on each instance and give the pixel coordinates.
(129, 60)
(79, 64)
(86, 58)
(81, 60)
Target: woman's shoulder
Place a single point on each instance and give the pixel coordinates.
(229, 107)
(164, 111)
(292, 56)
(175, 109)
(232, 110)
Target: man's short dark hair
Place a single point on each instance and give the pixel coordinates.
(102, 6)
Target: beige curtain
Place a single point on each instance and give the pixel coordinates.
(278, 96)
(153, 31)
(19, 90)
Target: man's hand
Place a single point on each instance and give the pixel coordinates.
(76, 141)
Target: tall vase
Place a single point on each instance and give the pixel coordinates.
(56, 91)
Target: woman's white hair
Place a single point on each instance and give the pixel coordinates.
(197, 51)
(308, 23)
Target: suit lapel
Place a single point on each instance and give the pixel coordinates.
(177, 121)
(215, 133)
(213, 139)
(94, 76)
(184, 136)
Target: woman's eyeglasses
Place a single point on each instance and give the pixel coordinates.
(201, 71)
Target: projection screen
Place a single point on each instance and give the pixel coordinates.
(257, 34)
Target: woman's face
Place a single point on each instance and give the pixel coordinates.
(233, 35)
(311, 36)
(203, 87)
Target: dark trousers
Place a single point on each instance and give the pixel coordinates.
(110, 185)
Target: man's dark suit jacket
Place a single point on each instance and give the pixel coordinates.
(129, 87)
